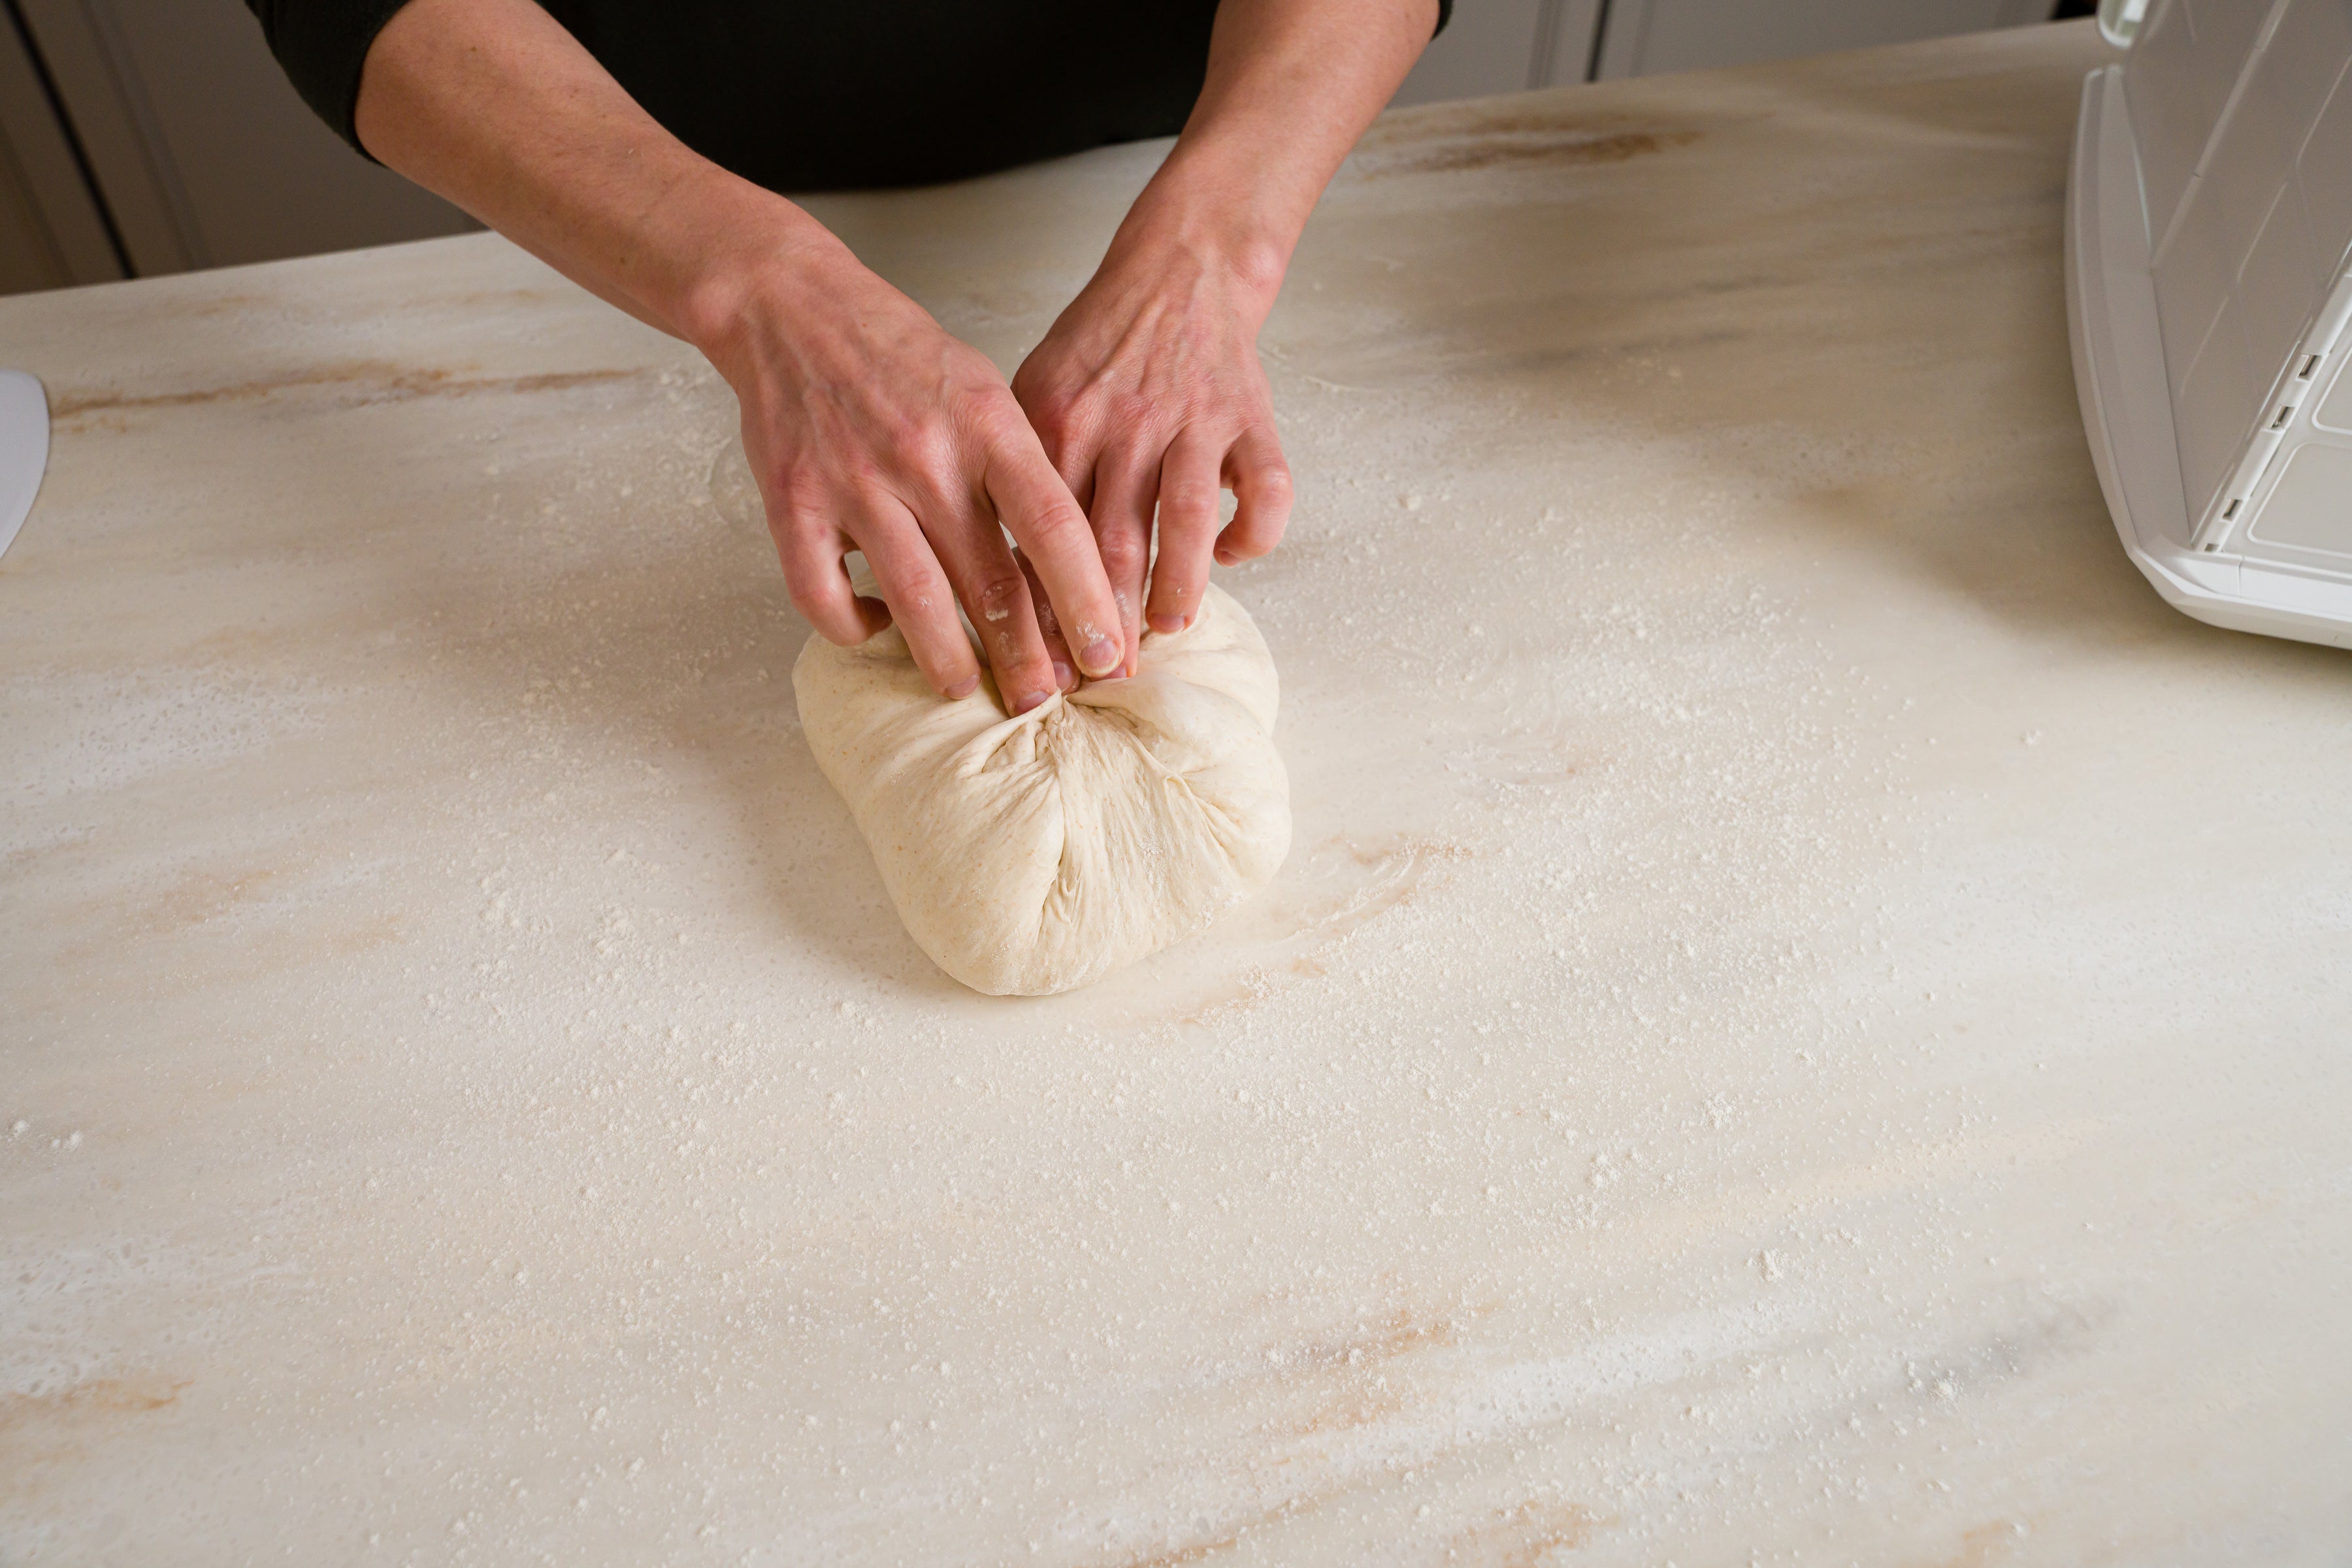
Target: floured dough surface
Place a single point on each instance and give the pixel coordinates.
(1036, 854)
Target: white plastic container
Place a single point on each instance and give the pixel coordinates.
(24, 449)
(2209, 232)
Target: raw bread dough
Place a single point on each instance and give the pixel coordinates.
(1034, 854)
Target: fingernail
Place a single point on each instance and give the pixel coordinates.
(1227, 558)
(1168, 626)
(1033, 700)
(1064, 676)
(964, 687)
(1101, 656)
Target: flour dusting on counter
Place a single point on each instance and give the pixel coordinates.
(1719, 1077)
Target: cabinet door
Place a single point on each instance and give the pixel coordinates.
(28, 257)
(52, 231)
(1643, 37)
(201, 150)
(1505, 46)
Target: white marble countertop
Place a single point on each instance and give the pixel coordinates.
(1806, 1023)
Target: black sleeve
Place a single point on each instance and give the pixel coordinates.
(322, 44)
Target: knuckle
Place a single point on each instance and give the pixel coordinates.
(1000, 609)
(995, 416)
(814, 608)
(925, 593)
(1189, 501)
(1122, 562)
(800, 494)
(996, 595)
(917, 446)
(1055, 528)
(998, 605)
(862, 470)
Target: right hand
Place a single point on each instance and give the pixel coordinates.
(869, 428)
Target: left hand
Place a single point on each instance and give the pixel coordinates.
(1150, 398)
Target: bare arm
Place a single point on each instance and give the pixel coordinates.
(868, 427)
(1148, 391)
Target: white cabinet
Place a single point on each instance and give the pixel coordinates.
(1504, 45)
(1647, 38)
(52, 232)
(165, 127)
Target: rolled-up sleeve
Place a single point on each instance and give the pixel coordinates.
(322, 44)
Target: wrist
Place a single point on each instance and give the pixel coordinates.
(769, 259)
(1219, 222)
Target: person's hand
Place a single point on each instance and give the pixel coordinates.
(869, 428)
(1147, 396)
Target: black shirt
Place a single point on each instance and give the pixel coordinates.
(854, 93)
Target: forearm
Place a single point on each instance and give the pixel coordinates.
(1291, 85)
(492, 104)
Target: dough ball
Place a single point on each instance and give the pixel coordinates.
(1034, 854)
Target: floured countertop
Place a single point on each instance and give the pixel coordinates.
(1806, 1022)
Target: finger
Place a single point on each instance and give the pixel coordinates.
(1073, 458)
(920, 598)
(1261, 484)
(1063, 428)
(1189, 493)
(1126, 487)
(1073, 454)
(1049, 626)
(995, 593)
(811, 556)
(1037, 506)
